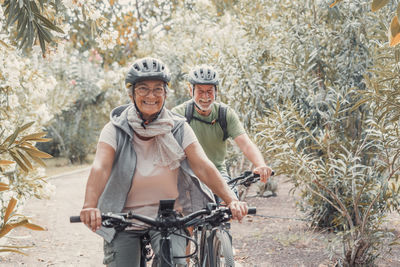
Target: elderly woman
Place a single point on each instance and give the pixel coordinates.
(144, 154)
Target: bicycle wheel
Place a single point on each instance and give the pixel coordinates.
(204, 249)
(222, 252)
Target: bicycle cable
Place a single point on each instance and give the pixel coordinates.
(191, 240)
(178, 257)
(279, 217)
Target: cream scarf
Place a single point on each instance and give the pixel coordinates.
(169, 152)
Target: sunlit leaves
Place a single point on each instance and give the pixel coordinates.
(116, 33)
(383, 89)
(378, 4)
(4, 187)
(394, 32)
(12, 250)
(31, 24)
(12, 221)
(10, 209)
(334, 3)
(22, 150)
(6, 162)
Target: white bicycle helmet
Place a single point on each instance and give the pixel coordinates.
(203, 74)
(147, 68)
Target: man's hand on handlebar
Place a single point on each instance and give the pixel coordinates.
(238, 209)
(264, 171)
(91, 217)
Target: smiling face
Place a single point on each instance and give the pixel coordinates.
(149, 96)
(204, 96)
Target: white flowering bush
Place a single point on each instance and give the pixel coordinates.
(34, 88)
(29, 98)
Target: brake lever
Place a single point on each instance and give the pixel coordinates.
(250, 180)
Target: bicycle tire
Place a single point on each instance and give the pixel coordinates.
(204, 251)
(222, 252)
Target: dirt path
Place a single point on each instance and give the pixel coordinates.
(276, 237)
(63, 244)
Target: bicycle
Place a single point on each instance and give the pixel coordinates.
(168, 222)
(217, 238)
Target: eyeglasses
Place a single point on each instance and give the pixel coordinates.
(144, 91)
(207, 92)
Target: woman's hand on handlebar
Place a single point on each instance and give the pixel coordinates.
(238, 209)
(264, 171)
(91, 217)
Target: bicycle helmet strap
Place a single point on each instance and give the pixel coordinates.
(144, 121)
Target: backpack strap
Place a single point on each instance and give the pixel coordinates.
(222, 109)
(189, 114)
(222, 120)
(189, 111)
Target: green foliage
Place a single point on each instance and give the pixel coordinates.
(322, 135)
(307, 62)
(32, 22)
(336, 181)
(17, 152)
(316, 83)
(76, 129)
(394, 29)
(25, 91)
(315, 77)
(383, 90)
(115, 29)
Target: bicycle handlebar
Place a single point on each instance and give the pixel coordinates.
(75, 219)
(178, 221)
(247, 178)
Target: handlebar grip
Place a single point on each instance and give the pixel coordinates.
(75, 219)
(251, 210)
(257, 175)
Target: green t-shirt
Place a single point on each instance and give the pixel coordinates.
(210, 136)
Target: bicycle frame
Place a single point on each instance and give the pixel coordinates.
(168, 222)
(220, 233)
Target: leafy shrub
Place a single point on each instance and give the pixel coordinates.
(75, 130)
(306, 62)
(25, 93)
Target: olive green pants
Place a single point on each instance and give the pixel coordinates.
(125, 251)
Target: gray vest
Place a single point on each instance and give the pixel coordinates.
(193, 194)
